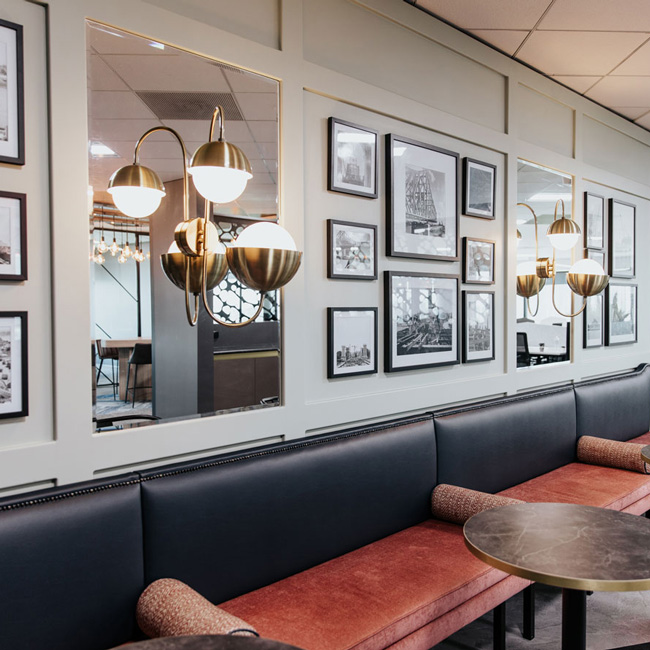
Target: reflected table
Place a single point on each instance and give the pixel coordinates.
(578, 548)
(211, 642)
(645, 454)
(124, 349)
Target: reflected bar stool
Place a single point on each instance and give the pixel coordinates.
(112, 354)
(141, 356)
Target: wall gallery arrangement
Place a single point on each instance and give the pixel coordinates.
(13, 364)
(422, 325)
(13, 236)
(12, 130)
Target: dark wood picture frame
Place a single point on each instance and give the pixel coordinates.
(468, 257)
(8, 371)
(14, 154)
(592, 303)
(334, 184)
(358, 358)
(609, 326)
(397, 249)
(468, 210)
(589, 243)
(614, 229)
(390, 327)
(332, 271)
(466, 351)
(21, 274)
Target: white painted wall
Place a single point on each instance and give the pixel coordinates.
(381, 63)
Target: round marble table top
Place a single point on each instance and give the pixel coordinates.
(564, 545)
(645, 454)
(211, 642)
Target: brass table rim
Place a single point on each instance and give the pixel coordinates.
(554, 580)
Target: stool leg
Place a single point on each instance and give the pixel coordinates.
(126, 392)
(135, 383)
(529, 612)
(499, 627)
(99, 372)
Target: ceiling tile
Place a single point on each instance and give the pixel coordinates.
(101, 77)
(644, 121)
(563, 53)
(595, 15)
(251, 150)
(578, 83)
(506, 40)
(264, 131)
(191, 130)
(637, 64)
(107, 41)
(179, 73)
(248, 82)
(631, 112)
(614, 91)
(121, 130)
(117, 104)
(258, 106)
(488, 14)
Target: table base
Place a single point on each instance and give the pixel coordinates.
(574, 619)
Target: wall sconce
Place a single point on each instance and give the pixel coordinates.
(263, 257)
(585, 278)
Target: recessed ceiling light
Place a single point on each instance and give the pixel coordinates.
(158, 46)
(550, 196)
(99, 150)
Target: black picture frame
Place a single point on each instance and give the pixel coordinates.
(358, 176)
(411, 346)
(12, 134)
(14, 397)
(622, 228)
(479, 189)
(613, 329)
(409, 164)
(593, 322)
(474, 251)
(343, 261)
(594, 221)
(474, 344)
(13, 235)
(341, 360)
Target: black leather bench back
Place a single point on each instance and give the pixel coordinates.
(615, 407)
(232, 524)
(495, 445)
(71, 566)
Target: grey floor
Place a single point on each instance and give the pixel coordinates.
(614, 620)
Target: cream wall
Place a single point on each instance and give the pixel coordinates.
(380, 63)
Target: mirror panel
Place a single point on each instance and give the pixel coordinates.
(139, 329)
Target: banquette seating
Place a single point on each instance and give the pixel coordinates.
(326, 543)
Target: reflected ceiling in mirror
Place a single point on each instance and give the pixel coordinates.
(135, 84)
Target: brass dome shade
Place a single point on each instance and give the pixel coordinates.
(136, 190)
(587, 278)
(173, 265)
(221, 154)
(529, 285)
(135, 176)
(263, 269)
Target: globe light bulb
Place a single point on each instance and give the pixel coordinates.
(126, 251)
(99, 259)
(587, 267)
(136, 190)
(121, 259)
(114, 248)
(587, 278)
(527, 268)
(265, 235)
(219, 184)
(102, 247)
(564, 241)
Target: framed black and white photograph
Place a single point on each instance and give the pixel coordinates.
(352, 160)
(351, 341)
(12, 104)
(621, 325)
(478, 326)
(478, 261)
(596, 255)
(622, 239)
(13, 364)
(422, 200)
(594, 206)
(13, 236)
(351, 250)
(479, 188)
(421, 327)
(593, 322)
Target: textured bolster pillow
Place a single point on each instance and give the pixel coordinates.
(169, 607)
(611, 453)
(457, 504)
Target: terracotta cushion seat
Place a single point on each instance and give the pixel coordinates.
(385, 594)
(592, 485)
(642, 439)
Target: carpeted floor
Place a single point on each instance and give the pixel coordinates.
(614, 620)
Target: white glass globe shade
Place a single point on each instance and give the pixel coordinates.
(564, 242)
(136, 202)
(587, 267)
(173, 248)
(265, 235)
(219, 184)
(527, 268)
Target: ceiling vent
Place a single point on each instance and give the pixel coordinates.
(190, 106)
